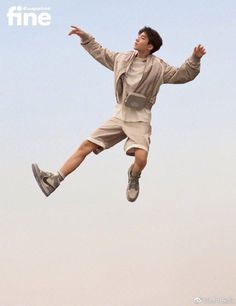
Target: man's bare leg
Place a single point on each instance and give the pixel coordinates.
(78, 157)
(48, 182)
(140, 161)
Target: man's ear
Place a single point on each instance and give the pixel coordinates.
(150, 47)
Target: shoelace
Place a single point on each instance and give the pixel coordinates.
(133, 184)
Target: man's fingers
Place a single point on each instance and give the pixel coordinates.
(200, 48)
(71, 32)
(74, 27)
(74, 30)
(199, 51)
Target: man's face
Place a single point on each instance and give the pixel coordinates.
(142, 43)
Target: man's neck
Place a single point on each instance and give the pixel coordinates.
(144, 54)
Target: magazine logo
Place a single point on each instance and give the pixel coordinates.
(28, 16)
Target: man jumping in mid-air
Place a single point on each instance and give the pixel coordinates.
(138, 77)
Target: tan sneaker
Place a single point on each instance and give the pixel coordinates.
(133, 186)
(47, 181)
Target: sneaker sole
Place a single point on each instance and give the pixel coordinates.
(36, 172)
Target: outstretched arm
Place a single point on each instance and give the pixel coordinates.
(186, 72)
(102, 55)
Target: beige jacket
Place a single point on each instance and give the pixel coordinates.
(156, 71)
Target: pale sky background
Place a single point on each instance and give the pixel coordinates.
(86, 245)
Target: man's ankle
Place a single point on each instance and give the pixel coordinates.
(60, 175)
(135, 172)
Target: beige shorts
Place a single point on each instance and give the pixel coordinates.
(137, 135)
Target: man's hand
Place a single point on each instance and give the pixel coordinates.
(76, 31)
(199, 51)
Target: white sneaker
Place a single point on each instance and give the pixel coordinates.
(47, 181)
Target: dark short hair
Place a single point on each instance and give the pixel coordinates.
(154, 38)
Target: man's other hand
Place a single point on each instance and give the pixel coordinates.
(199, 51)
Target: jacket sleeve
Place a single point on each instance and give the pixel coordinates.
(185, 73)
(102, 55)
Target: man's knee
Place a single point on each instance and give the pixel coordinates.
(142, 162)
(87, 147)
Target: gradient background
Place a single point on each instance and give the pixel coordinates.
(86, 245)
